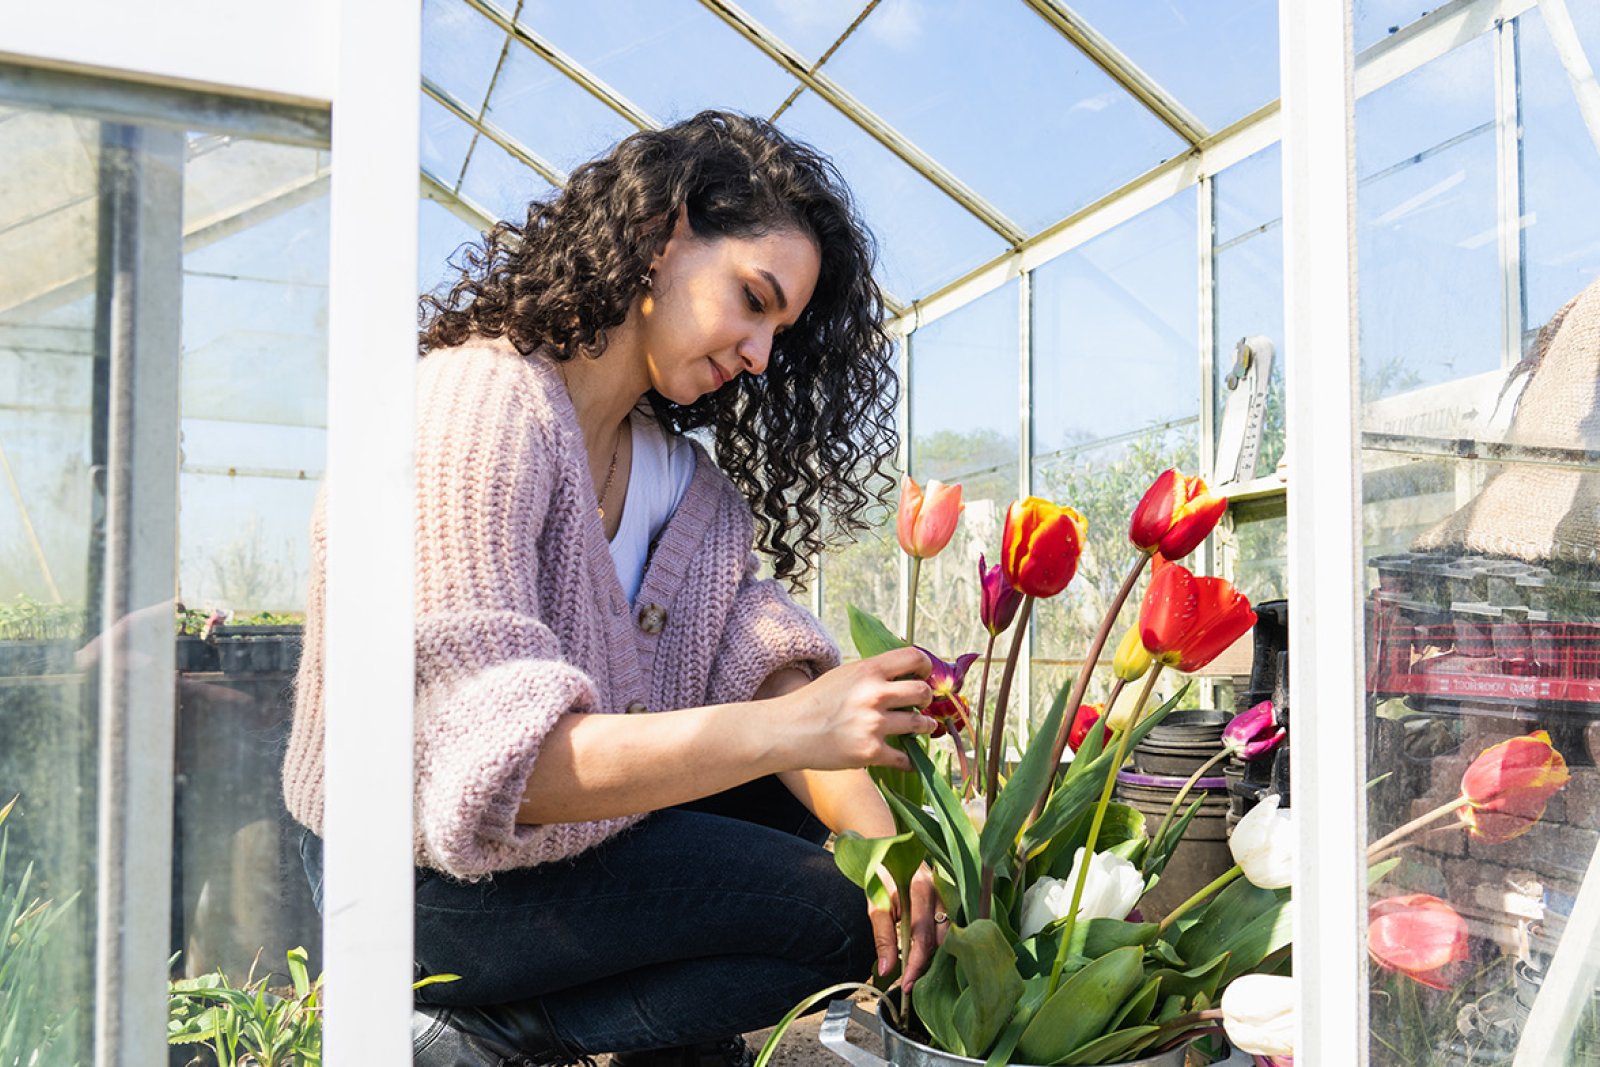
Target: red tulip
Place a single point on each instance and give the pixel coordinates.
(1175, 515)
(1186, 622)
(1084, 721)
(927, 519)
(1506, 788)
(948, 707)
(1041, 545)
(1416, 935)
(998, 602)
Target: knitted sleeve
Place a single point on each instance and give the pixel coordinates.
(766, 632)
(491, 680)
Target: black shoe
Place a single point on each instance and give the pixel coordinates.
(725, 1052)
(500, 1035)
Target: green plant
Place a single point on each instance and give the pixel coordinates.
(27, 619)
(32, 1025)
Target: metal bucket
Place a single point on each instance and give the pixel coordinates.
(903, 1052)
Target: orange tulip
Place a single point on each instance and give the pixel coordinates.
(1175, 515)
(1506, 788)
(1186, 622)
(1040, 546)
(1416, 935)
(927, 518)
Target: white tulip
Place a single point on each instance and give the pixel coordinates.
(1258, 1014)
(977, 810)
(1113, 888)
(1263, 845)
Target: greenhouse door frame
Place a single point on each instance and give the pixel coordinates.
(360, 61)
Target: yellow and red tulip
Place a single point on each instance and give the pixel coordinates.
(1185, 622)
(1041, 545)
(927, 517)
(1176, 513)
(1505, 790)
(1086, 719)
(1416, 935)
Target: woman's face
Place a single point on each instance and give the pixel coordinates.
(716, 304)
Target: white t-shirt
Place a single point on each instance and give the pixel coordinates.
(663, 466)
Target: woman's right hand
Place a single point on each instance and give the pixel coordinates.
(844, 718)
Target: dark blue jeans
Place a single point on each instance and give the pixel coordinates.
(705, 920)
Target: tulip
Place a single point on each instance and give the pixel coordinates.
(1186, 622)
(1132, 658)
(999, 602)
(1416, 935)
(948, 707)
(1263, 845)
(927, 518)
(1085, 719)
(1175, 515)
(1505, 790)
(1041, 545)
(1258, 1014)
(1112, 889)
(1250, 734)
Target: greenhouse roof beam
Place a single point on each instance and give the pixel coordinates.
(1122, 70)
(565, 64)
(460, 206)
(875, 127)
(524, 155)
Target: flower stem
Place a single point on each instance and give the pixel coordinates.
(983, 687)
(997, 741)
(1221, 880)
(1415, 824)
(961, 759)
(1094, 826)
(911, 601)
(1081, 686)
(1399, 846)
(1177, 801)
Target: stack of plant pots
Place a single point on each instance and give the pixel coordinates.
(1162, 763)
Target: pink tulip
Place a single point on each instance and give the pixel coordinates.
(927, 518)
(1251, 735)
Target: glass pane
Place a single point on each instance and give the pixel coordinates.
(460, 49)
(1116, 394)
(964, 429)
(551, 114)
(440, 233)
(809, 28)
(501, 183)
(673, 61)
(443, 142)
(925, 239)
(958, 80)
(1481, 579)
(1373, 20)
(1430, 262)
(1180, 45)
(1247, 280)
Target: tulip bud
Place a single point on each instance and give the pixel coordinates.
(1251, 735)
(1084, 721)
(1258, 1014)
(1507, 787)
(1263, 845)
(1040, 546)
(1132, 658)
(1119, 716)
(999, 602)
(948, 707)
(1176, 513)
(1111, 891)
(927, 519)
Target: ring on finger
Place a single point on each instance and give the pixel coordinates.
(940, 917)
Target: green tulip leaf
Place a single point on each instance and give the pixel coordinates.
(903, 858)
(1263, 936)
(911, 817)
(1160, 852)
(1163, 952)
(1136, 1012)
(1081, 1007)
(1034, 990)
(1172, 1006)
(988, 969)
(960, 839)
(859, 858)
(1230, 911)
(1113, 1047)
(871, 637)
(1027, 782)
(1378, 871)
(1197, 981)
(935, 1001)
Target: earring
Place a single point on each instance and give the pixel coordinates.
(648, 279)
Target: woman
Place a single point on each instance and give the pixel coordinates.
(629, 747)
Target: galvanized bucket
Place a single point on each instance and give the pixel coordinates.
(903, 1052)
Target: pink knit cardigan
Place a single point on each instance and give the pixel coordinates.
(521, 620)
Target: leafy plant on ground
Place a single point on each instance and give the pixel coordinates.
(32, 1022)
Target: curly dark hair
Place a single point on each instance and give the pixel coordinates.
(801, 441)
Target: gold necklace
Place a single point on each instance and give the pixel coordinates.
(610, 474)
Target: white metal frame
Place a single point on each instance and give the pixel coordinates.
(1328, 756)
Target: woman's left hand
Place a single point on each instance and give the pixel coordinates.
(927, 932)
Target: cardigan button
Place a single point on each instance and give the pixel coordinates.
(652, 618)
(636, 708)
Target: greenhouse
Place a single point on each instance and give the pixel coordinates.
(1090, 347)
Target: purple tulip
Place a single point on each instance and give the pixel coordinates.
(1251, 734)
(999, 603)
(948, 708)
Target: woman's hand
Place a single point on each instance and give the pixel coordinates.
(927, 931)
(845, 718)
